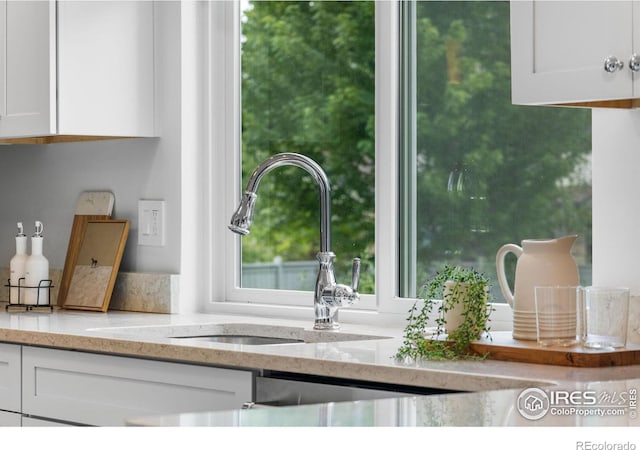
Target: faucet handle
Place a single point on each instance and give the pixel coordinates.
(338, 295)
(355, 274)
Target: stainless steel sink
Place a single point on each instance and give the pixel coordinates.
(236, 333)
(241, 339)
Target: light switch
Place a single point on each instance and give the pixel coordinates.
(151, 227)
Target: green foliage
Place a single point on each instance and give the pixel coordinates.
(513, 157)
(308, 87)
(472, 289)
(308, 72)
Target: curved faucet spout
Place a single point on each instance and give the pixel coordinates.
(328, 295)
(243, 217)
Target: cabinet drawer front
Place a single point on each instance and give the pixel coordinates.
(105, 390)
(10, 377)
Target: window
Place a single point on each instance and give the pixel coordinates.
(308, 87)
(477, 171)
(448, 174)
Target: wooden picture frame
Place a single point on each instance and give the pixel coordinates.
(93, 260)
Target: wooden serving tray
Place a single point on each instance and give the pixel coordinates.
(503, 347)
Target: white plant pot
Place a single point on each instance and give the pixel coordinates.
(454, 316)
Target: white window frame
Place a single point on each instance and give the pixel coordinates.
(225, 169)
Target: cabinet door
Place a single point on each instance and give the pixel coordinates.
(10, 382)
(106, 68)
(27, 68)
(105, 390)
(558, 50)
(636, 46)
(9, 419)
(31, 422)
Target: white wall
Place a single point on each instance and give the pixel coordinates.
(42, 182)
(616, 199)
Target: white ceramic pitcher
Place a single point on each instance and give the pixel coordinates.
(540, 263)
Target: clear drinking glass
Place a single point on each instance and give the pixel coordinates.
(557, 312)
(606, 316)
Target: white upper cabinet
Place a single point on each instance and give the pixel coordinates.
(76, 69)
(559, 48)
(27, 68)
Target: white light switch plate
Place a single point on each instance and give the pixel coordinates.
(151, 226)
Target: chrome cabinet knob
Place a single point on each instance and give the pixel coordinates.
(634, 62)
(611, 64)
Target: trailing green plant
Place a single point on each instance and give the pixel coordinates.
(421, 341)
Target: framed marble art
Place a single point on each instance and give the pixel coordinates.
(94, 256)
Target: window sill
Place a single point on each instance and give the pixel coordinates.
(501, 317)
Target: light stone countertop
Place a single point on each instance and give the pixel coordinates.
(144, 335)
(499, 384)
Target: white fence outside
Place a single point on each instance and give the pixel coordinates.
(296, 275)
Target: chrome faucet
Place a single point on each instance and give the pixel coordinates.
(328, 295)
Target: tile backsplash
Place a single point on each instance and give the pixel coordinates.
(146, 292)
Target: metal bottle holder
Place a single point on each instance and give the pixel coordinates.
(38, 306)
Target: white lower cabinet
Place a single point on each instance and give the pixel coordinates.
(97, 389)
(10, 419)
(33, 422)
(70, 387)
(10, 379)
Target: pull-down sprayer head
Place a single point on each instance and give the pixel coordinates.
(243, 217)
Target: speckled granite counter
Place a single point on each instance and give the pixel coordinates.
(500, 385)
(145, 335)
